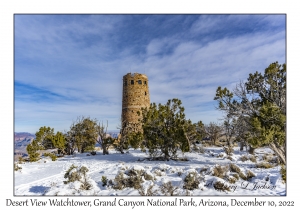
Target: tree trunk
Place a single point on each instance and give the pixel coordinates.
(279, 151)
(242, 145)
(105, 150)
(251, 150)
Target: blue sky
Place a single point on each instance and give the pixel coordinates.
(67, 66)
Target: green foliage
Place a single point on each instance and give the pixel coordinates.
(32, 150)
(132, 179)
(84, 131)
(78, 174)
(21, 160)
(164, 129)
(136, 140)
(268, 125)
(72, 175)
(59, 141)
(44, 137)
(104, 181)
(17, 167)
(261, 104)
(51, 155)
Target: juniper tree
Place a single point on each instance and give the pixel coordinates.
(32, 150)
(59, 142)
(261, 103)
(84, 132)
(164, 129)
(44, 137)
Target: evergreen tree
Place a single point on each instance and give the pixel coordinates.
(44, 137)
(261, 104)
(84, 132)
(32, 150)
(59, 142)
(164, 129)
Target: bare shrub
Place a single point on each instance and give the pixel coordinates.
(228, 150)
(120, 181)
(242, 176)
(220, 155)
(234, 168)
(148, 176)
(17, 167)
(283, 173)
(78, 174)
(220, 171)
(149, 192)
(203, 170)
(132, 178)
(72, 174)
(201, 149)
(236, 176)
(221, 186)
(168, 189)
(230, 158)
(104, 181)
(250, 174)
(252, 158)
(263, 165)
(158, 172)
(192, 181)
(244, 158)
(232, 180)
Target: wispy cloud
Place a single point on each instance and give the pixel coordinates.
(72, 65)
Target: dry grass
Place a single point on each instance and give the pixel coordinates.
(264, 165)
(283, 173)
(234, 168)
(168, 189)
(252, 158)
(220, 171)
(250, 174)
(221, 186)
(192, 181)
(244, 158)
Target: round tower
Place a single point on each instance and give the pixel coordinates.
(135, 96)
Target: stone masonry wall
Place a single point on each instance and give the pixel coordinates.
(135, 96)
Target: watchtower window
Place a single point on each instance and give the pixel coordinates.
(145, 82)
(139, 82)
(145, 93)
(132, 82)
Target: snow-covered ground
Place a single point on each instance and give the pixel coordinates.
(46, 177)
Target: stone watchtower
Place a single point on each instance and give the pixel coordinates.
(135, 96)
